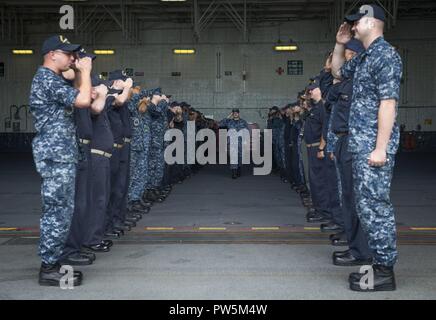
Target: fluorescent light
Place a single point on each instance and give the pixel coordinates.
(286, 48)
(183, 51)
(104, 51)
(22, 51)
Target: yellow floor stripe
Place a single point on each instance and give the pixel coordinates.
(311, 228)
(159, 228)
(265, 228)
(211, 228)
(422, 229)
(8, 229)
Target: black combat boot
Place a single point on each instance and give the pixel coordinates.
(239, 172)
(150, 196)
(159, 198)
(50, 275)
(384, 279)
(137, 206)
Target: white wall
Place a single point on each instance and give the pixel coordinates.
(199, 85)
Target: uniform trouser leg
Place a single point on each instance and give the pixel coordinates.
(237, 150)
(57, 194)
(123, 185)
(152, 163)
(288, 162)
(160, 168)
(176, 173)
(156, 164)
(355, 236)
(138, 174)
(372, 188)
(317, 182)
(168, 172)
(278, 156)
(297, 176)
(116, 192)
(81, 204)
(99, 199)
(274, 161)
(332, 188)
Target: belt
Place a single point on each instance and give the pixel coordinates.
(84, 141)
(341, 134)
(127, 140)
(101, 152)
(316, 144)
(118, 146)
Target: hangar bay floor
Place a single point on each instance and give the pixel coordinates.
(218, 238)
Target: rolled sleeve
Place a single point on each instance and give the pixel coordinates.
(63, 93)
(388, 78)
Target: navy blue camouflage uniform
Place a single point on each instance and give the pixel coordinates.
(140, 146)
(376, 75)
(55, 154)
(158, 126)
(237, 125)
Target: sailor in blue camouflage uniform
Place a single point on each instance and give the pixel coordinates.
(233, 121)
(55, 152)
(158, 126)
(140, 146)
(374, 136)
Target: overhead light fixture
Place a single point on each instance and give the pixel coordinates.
(22, 51)
(286, 48)
(183, 51)
(104, 51)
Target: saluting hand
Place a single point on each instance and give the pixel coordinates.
(101, 90)
(316, 94)
(344, 33)
(156, 99)
(84, 64)
(128, 83)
